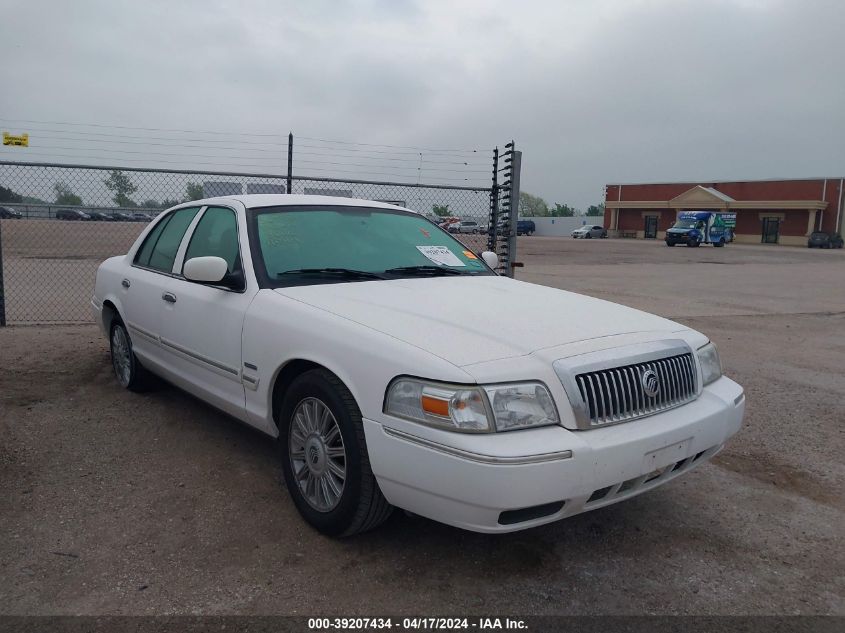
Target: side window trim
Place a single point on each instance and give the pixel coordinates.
(178, 263)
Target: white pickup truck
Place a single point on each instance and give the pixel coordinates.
(385, 358)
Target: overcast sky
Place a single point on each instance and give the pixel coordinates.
(593, 92)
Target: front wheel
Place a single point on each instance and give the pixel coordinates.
(324, 457)
(589, 236)
(670, 243)
(719, 244)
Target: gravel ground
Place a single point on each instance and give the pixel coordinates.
(117, 503)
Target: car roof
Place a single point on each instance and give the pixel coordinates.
(258, 200)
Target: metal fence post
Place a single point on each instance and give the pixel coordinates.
(290, 162)
(2, 287)
(516, 166)
(492, 225)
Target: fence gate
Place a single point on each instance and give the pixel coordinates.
(49, 252)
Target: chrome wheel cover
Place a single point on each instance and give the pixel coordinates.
(121, 355)
(317, 454)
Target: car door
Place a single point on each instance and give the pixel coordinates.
(201, 326)
(143, 289)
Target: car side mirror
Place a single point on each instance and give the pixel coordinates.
(491, 259)
(208, 269)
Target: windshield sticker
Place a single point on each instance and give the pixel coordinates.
(469, 255)
(424, 232)
(440, 255)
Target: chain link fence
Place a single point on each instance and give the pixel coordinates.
(58, 222)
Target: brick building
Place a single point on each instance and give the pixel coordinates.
(770, 211)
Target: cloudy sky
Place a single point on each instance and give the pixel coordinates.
(593, 91)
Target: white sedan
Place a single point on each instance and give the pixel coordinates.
(396, 369)
(589, 231)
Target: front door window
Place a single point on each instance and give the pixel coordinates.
(650, 227)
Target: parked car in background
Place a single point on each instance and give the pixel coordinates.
(10, 214)
(72, 214)
(99, 216)
(141, 217)
(467, 226)
(122, 217)
(589, 231)
(823, 239)
(523, 227)
(360, 336)
(447, 223)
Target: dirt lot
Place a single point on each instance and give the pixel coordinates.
(116, 503)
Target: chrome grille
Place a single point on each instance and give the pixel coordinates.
(604, 391)
(618, 394)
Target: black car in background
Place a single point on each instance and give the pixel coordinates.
(10, 214)
(141, 217)
(823, 239)
(72, 214)
(98, 216)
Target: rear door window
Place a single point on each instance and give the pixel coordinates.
(159, 249)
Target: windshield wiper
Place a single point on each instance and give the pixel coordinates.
(422, 271)
(345, 273)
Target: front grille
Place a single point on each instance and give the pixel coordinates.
(619, 394)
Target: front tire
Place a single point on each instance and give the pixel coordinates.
(324, 457)
(589, 236)
(127, 368)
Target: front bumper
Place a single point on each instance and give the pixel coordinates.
(571, 471)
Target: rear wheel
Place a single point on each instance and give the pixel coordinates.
(719, 244)
(127, 368)
(324, 457)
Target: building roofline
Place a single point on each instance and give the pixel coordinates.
(722, 182)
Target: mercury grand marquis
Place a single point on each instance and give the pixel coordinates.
(396, 368)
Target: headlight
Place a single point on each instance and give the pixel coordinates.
(711, 366)
(481, 409)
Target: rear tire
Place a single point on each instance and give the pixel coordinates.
(127, 368)
(324, 457)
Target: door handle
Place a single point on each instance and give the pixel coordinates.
(169, 297)
(125, 283)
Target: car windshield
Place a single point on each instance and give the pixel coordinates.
(819, 236)
(309, 245)
(684, 224)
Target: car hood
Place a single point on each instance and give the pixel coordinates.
(471, 320)
(678, 230)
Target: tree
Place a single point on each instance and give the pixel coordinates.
(440, 210)
(121, 186)
(562, 211)
(7, 195)
(166, 204)
(64, 195)
(595, 209)
(193, 191)
(532, 206)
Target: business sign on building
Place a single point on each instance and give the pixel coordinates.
(16, 141)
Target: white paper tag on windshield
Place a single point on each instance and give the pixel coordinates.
(440, 255)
